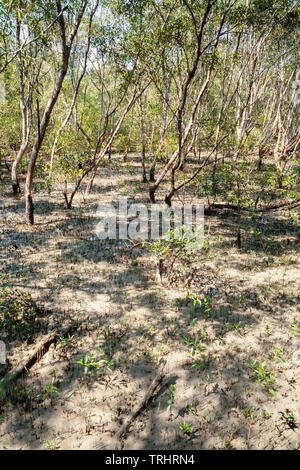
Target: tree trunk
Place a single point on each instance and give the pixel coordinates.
(14, 175)
(29, 208)
(142, 130)
(25, 124)
(66, 48)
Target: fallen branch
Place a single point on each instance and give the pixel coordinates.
(208, 209)
(41, 348)
(279, 206)
(141, 405)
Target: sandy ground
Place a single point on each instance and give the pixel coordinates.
(129, 321)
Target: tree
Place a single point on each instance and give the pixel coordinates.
(66, 44)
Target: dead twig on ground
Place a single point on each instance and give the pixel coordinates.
(34, 356)
(141, 405)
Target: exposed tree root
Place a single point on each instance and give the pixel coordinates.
(141, 405)
(208, 209)
(41, 348)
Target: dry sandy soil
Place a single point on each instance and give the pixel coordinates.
(129, 320)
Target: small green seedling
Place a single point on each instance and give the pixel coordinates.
(87, 362)
(49, 445)
(277, 354)
(26, 393)
(266, 413)
(90, 362)
(293, 331)
(248, 412)
(170, 395)
(192, 409)
(229, 445)
(67, 340)
(194, 343)
(268, 330)
(264, 377)
(198, 360)
(185, 428)
(202, 304)
(51, 388)
(288, 418)
(238, 328)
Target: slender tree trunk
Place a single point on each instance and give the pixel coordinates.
(164, 124)
(66, 48)
(75, 89)
(177, 159)
(239, 217)
(109, 142)
(142, 130)
(14, 176)
(25, 119)
(112, 125)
